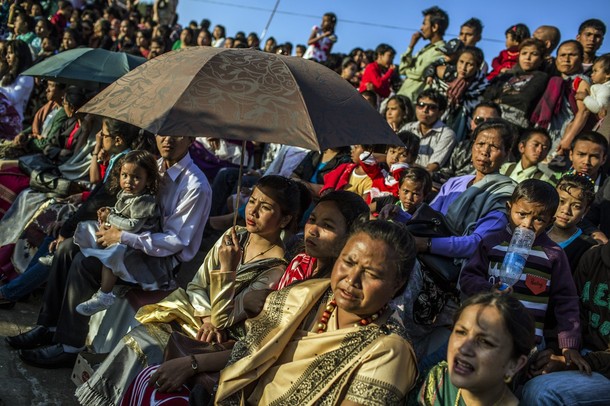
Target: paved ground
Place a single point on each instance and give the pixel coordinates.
(23, 385)
(20, 384)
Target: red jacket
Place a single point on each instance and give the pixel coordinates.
(507, 59)
(380, 80)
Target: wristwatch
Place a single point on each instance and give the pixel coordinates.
(194, 363)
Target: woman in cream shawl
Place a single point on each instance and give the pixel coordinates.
(212, 307)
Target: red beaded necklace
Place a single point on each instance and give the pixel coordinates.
(330, 308)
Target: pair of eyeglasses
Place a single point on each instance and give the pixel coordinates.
(480, 120)
(430, 106)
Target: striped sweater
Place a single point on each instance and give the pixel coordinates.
(546, 280)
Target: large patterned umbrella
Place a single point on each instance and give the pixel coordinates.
(243, 94)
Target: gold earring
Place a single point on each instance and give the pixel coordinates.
(507, 379)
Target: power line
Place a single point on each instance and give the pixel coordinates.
(346, 21)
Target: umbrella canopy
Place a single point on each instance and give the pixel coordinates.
(243, 94)
(88, 67)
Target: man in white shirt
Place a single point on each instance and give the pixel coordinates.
(185, 198)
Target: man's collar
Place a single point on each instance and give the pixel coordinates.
(176, 169)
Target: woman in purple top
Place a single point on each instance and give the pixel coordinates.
(474, 206)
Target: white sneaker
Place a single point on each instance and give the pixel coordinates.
(46, 260)
(98, 302)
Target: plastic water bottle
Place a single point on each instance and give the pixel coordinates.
(516, 256)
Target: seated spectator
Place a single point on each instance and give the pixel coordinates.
(414, 186)
(15, 89)
(46, 122)
(534, 145)
(491, 339)
(398, 112)
(204, 39)
(24, 30)
(546, 282)
(460, 162)
(377, 75)
(349, 68)
(502, 63)
(218, 36)
(351, 176)
(386, 175)
(316, 165)
(212, 306)
(71, 39)
(325, 234)
(588, 154)
(387, 367)
(575, 197)
(463, 89)
(433, 28)
(186, 200)
(61, 18)
(101, 35)
(551, 386)
(114, 140)
(437, 140)
(474, 207)
(517, 91)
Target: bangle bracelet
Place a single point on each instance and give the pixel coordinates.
(194, 364)
(429, 245)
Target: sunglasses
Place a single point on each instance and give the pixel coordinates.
(431, 106)
(480, 120)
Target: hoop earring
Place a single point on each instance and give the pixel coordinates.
(507, 379)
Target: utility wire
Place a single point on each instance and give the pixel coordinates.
(291, 13)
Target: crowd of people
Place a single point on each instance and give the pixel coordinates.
(365, 274)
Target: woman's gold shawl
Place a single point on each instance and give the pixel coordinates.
(214, 293)
(280, 363)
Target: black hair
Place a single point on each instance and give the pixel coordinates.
(591, 136)
(419, 175)
(539, 192)
(222, 28)
(411, 141)
(439, 17)
(127, 132)
(519, 32)
(516, 318)
(332, 16)
(292, 196)
(434, 95)
(382, 49)
(490, 104)
(351, 205)
(592, 23)
(504, 128)
(405, 105)
(372, 96)
(578, 45)
(398, 238)
(476, 53)
(76, 96)
(146, 161)
(529, 42)
(578, 180)
(475, 24)
(604, 60)
(23, 60)
(529, 132)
